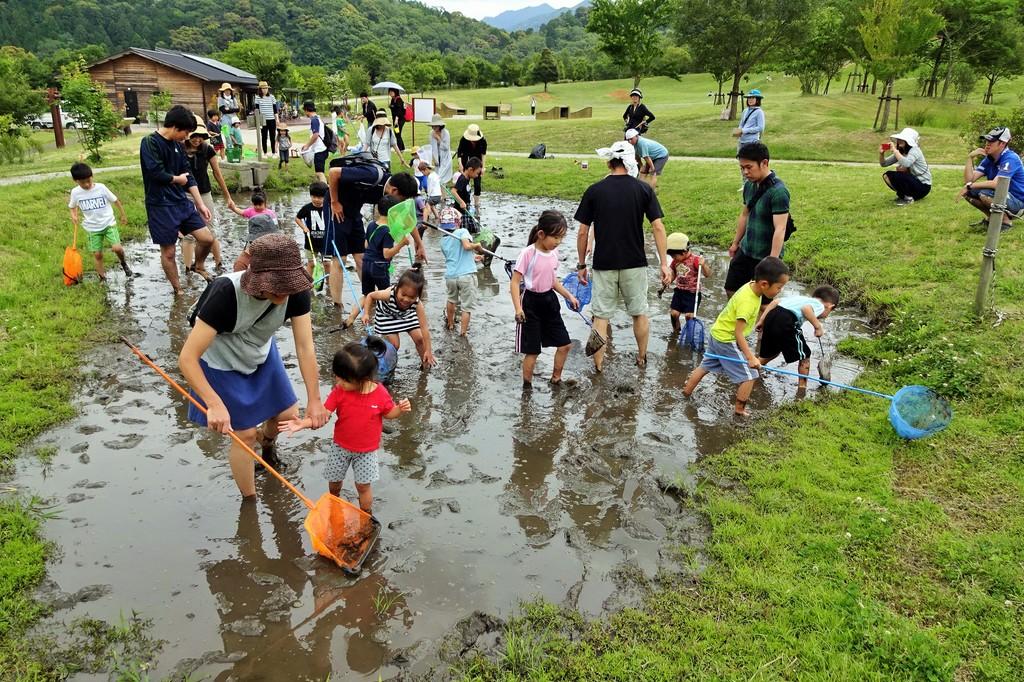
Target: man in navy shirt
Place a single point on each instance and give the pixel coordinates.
(173, 203)
(999, 161)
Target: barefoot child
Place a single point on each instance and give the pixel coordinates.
(399, 309)
(362, 405)
(460, 276)
(94, 200)
(312, 220)
(782, 324)
(538, 313)
(684, 269)
(729, 332)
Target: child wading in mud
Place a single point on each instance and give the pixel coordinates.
(398, 309)
(533, 286)
(362, 405)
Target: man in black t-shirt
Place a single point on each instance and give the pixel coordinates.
(616, 207)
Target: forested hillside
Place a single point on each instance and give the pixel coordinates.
(321, 32)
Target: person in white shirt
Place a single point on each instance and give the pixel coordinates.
(91, 201)
(433, 183)
(382, 140)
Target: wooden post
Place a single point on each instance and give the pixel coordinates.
(878, 112)
(53, 98)
(897, 126)
(988, 254)
(259, 133)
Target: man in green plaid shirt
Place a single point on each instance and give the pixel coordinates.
(761, 227)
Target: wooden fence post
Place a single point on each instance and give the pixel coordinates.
(988, 254)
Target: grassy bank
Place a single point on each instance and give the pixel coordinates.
(843, 553)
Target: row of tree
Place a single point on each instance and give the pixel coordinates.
(952, 42)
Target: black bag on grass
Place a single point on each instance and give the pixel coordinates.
(538, 152)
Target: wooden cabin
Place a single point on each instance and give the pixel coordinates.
(131, 77)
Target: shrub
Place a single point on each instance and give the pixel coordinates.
(88, 102)
(15, 141)
(986, 119)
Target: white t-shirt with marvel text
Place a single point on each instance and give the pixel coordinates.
(96, 205)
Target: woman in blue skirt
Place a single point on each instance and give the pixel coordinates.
(230, 358)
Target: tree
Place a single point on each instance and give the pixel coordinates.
(18, 99)
(824, 49)
(965, 31)
(88, 102)
(312, 79)
(374, 58)
(417, 76)
(546, 68)
(630, 31)
(510, 68)
(357, 78)
(270, 60)
(1003, 56)
(738, 35)
(673, 61)
(894, 31)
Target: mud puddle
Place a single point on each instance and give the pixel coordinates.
(487, 496)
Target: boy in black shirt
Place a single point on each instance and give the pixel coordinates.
(470, 172)
(312, 219)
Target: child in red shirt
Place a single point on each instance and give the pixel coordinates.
(685, 263)
(362, 406)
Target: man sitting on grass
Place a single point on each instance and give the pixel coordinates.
(999, 161)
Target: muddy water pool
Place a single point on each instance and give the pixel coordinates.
(488, 495)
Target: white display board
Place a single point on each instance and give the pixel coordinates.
(423, 109)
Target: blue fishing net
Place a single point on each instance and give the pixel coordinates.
(917, 411)
(582, 292)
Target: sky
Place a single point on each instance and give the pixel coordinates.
(479, 10)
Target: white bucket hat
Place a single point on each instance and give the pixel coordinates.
(908, 135)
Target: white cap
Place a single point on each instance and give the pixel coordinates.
(631, 133)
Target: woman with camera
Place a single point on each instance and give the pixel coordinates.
(912, 180)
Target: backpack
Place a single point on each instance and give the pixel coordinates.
(330, 137)
(363, 160)
(765, 186)
(538, 152)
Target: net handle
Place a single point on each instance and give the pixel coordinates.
(199, 406)
(789, 372)
(482, 249)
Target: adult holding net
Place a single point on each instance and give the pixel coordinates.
(230, 358)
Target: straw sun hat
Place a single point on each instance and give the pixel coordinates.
(473, 133)
(225, 86)
(276, 268)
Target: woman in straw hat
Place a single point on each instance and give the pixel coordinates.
(382, 140)
(441, 149)
(267, 105)
(201, 159)
(230, 358)
(473, 145)
(227, 104)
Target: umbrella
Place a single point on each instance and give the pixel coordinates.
(388, 85)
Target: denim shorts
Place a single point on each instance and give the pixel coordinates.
(1013, 204)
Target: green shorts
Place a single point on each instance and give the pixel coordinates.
(609, 284)
(108, 235)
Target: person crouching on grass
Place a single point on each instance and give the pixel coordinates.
(93, 199)
(781, 327)
(729, 332)
(362, 405)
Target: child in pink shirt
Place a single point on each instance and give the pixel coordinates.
(534, 283)
(262, 220)
(362, 406)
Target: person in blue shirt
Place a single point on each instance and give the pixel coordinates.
(460, 276)
(751, 125)
(651, 156)
(999, 161)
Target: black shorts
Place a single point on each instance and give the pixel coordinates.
(683, 300)
(741, 271)
(349, 236)
(543, 327)
(783, 333)
(320, 161)
(318, 245)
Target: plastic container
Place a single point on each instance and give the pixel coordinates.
(234, 154)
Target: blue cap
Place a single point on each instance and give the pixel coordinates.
(755, 93)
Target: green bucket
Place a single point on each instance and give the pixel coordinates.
(234, 154)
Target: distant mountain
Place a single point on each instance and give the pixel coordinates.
(529, 17)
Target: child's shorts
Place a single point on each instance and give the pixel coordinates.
(683, 300)
(462, 291)
(108, 235)
(422, 180)
(318, 245)
(365, 465)
(165, 222)
(543, 327)
(783, 333)
(283, 155)
(736, 371)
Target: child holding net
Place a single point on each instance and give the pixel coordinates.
(685, 265)
(534, 283)
(362, 405)
(781, 327)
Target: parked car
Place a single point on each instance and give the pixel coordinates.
(46, 121)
